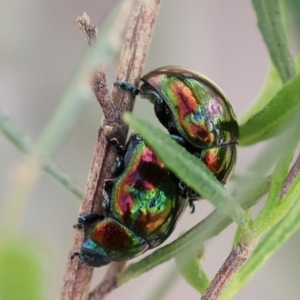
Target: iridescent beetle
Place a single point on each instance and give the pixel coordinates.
(142, 208)
(196, 113)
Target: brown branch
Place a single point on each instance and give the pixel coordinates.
(90, 31)
(295, 170)
(137, 40)
(136, 45)
(236, 258)
(240, 253)
(109, 282)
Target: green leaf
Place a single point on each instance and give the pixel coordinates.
(275, 117)
(189, 168)
(192, 270)
(281, 171)
(265, 222)
(271, 26)
(21, 274)
(238, 233)
(24, 143)
(271, 242)
(294, 6)
(204, 230)
(72, 102)
(272, 86)
(165, 284)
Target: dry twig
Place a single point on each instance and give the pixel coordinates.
(241, 252)
(295, 170)
(109, 282)
(236, 258)
(137, 40)
(90, 31)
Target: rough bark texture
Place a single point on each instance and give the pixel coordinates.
(137, 41)
(236, 258)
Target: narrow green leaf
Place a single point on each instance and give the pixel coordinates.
(15, 133)
(24, 143)
(72, 102)
(161, 290)
(274, 210)
(192, 270)
(265, 222)
(281, 171)
(294, 6)
(272, 241)
(271, 87)
(62, 177)
(238, 233)
(275, 117)
(189, 168)
(204, 230)
(271, 26)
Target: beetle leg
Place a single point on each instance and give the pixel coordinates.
(91, 218)
(182, 189)
(118, 167)
(74, 254)
(108, 184)
(119, 164)
(116, 144)
(192, 203)
(189, 194)
(87, 219)
(192, 197)
(192, 206)
(125, 86)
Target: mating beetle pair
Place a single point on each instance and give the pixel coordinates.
(144, 202)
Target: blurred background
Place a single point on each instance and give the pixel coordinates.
(40, 51)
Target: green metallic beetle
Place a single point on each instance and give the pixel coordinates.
(143, 205)
(196, 113)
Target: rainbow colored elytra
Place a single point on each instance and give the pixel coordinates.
(196, 113)
(143, 206)
(197, 108)
(220, 160)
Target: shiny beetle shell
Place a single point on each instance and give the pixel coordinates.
(191, 104)
(195, 110)
(145, 197)
(143, 206)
